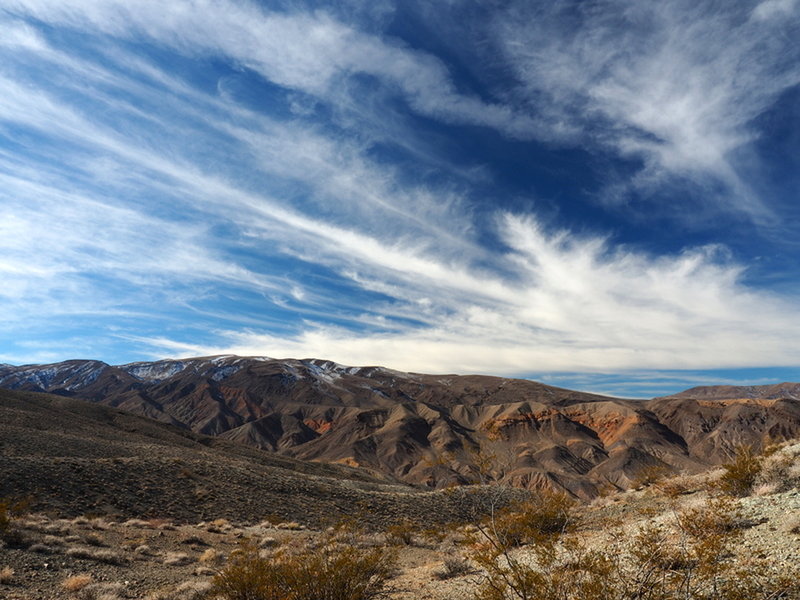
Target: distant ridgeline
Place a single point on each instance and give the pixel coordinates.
(434, 430)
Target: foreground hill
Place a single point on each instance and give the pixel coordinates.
(434, 430)
(678, 538)
(76, 458)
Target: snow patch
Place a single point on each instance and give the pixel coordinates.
(156, 371)
(223, 372)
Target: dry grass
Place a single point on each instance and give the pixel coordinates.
(178, 559)
(194, 540)
(104, 556)
(40, 548)
(401, 534)
(102, 591)
(144, 550)
(740, 475)
(329, 572)
(94, 540)
(210, 556)
(192, 590)
(137, 523)
(454, 566)
(76, 583)
(690, 555)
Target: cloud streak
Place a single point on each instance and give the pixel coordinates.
(677, 84)
(126, 189)
(574, 303)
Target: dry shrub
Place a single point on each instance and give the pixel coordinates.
(104, 556)
(52, 540)
(195, 540)
(211, 556)
(137, 523)
(94, 540)
(454, 566)
(794, 526)
(59, 529)
(689, 558)
(76, 582)
(144, 550)
(401, 534)
(10, 511)
(192, 590)
(740, 475)
(219, 526)
(331, 572)
(265, 524)
(290, 526)
(549, 514)
(102, 591)
(435, 535)
(178, 559)
(672, 487)
(780, 470)
(717, 516)
(6, 575)
(99, 524)
(161, 524)
(650, 475)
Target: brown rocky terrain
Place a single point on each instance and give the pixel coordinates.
(73, 458)
(93, 556)
(714, 419)
(434, 430)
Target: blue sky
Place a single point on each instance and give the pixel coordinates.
(598, 195)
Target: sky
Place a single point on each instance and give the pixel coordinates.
(601, 195)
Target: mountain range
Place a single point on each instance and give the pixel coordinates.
(432, 430)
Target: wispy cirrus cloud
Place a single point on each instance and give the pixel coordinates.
(128, 189)
(308, 51)
(676, 84)
(572, 301)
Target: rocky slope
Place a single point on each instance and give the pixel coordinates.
(424, 429)
(75, 458)
(713, 419)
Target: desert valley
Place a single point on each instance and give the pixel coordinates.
(148, 480)
(399, 300)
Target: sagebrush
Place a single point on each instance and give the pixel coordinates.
(329, 572)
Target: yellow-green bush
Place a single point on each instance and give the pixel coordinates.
(10, 510)
(331, 572)
(693, 557)
(548, 514)
(741, 473)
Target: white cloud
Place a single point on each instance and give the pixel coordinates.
(308, 51)
(675, 83)
(663, 83)
(774, 9)
(574, 304)
(546, 301)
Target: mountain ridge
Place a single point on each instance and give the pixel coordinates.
(435, 430)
